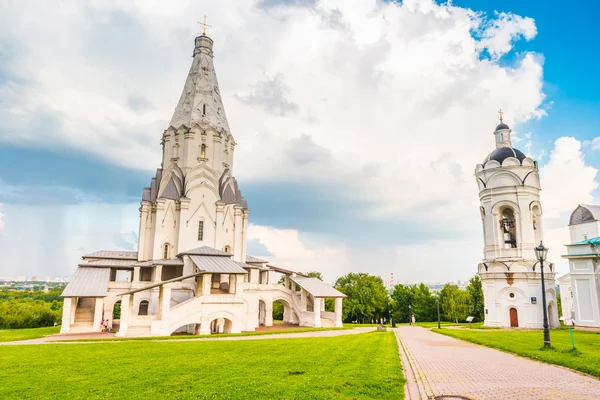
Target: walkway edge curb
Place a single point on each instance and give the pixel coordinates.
(414, 388)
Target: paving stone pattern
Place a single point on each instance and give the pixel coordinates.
(441, 365)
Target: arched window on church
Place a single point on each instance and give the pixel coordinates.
(203, 110)
(508, 227)
(166, 251)
(200, 230)
(227, 249)
(143, 310)
(203, 151)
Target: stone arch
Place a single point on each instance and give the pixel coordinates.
(143, 307)
(503, 178)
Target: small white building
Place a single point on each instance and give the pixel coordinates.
(191, 272)
(566, 296)
(511, 215)
(583, 254)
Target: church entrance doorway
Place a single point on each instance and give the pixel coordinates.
(514, 318)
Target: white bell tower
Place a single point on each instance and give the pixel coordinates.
(511, 214)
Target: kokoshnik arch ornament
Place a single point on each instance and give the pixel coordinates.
(511, 216)
(191, 272)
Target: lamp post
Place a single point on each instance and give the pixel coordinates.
(438, 308)
(541, 252)
(409, 314)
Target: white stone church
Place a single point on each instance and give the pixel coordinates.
(511, 214)
(191, 272)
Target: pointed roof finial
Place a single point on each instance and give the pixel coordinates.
(501, 113)
(204, 26)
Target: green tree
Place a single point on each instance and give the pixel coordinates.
(424, 303)
(315, 274)
(402, 297)
(367, 297)
(475, 298)
(453, 302)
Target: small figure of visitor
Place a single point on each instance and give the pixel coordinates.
(108, 325)
(102, 326)
(413, 320)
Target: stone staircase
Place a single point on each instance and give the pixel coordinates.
(84, 316)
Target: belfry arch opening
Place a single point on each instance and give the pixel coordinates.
(508, 228)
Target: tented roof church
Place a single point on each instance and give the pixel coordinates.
(191, 272)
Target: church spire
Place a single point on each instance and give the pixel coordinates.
(502, 133)
(200, 102)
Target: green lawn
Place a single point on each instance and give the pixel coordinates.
(586, 357)
(183, 337)
(9, 335)
(363, 366)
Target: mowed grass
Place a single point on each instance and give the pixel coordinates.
(209, 336)
(362, 366)
(9, 335)
(585, 357)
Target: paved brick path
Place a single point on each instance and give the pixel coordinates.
(440, 365)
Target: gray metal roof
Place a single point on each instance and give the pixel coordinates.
(107, 263)
(88, 282)
(316, 287)
(113, 254)
(176, 261)
(204, 251)
(253, 266)
(285, 271)
(250, 259)
(585, 213)
(219, 265)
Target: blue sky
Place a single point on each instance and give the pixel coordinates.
(364, 169)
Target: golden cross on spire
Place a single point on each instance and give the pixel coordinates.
(501, 113)
(204, 26)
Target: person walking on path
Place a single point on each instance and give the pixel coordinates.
(413, 320)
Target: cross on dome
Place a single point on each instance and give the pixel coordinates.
(501, 113)
(204, 26)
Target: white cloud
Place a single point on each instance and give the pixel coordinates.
(389, 104)
(289, 251)
(596, 143)
(1, 220)
(566, 179)
(498, 35)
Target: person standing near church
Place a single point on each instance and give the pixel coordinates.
(413, 320)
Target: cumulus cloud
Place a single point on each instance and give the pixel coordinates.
(287, 250)
(389, 104)
(498, 35)
(1, 220)
(596, 143)
(566, 173)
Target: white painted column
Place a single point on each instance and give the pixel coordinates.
(98, 314)
(66, 316)
(322, 304)
(303, 302)
(73, 310)
(157, 273)
(206, 284)
(165, 302)
(269, 315)
(238, 234)
(136, 274)
(338, 311)
(125, 315)
(317, 311)
(239, 284)
(287, 281)
(142, 247)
